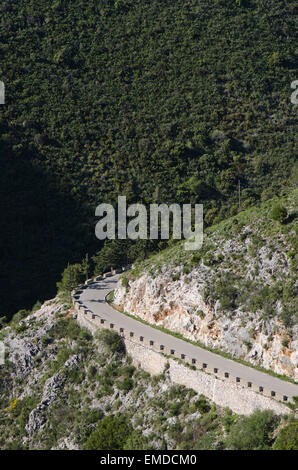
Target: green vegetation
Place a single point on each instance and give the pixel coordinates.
(253, 432)
(158, 101)
(112, 340)
(287, 438)
(20, 315)
(250, 235)
(71, 277)
(202, 404)
(113, 254)
(105, 403)
(279, 213)
(111, 434)
(161, 102)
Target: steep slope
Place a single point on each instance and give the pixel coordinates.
(158, 100)
(237, 294)
(59, 385)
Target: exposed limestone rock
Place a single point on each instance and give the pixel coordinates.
(52, 389)
(179, 305)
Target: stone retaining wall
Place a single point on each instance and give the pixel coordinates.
(219, 386)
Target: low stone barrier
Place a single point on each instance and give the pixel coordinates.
(107, 275)
(271, 399)
(116, 271)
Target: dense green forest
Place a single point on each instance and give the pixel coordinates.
(157, 100)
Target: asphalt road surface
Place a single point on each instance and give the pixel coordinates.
(93, 297)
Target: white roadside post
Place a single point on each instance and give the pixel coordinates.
(2, 353)
(2, 93)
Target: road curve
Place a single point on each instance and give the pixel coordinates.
(93, 297)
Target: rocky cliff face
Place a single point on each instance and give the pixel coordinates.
(237, 295)
(180, 307)
(58, 382)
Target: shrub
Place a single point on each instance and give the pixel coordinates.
(287, 316)
(279, 213)
(226, 292)
(125, 282)
(111, 433)
(75, 376)
(177, 391)
(253, 432)
(113, 341)
(136, 441)
(19, 316)
(23, 409)
(126, 385)
(175, 408)
(85, 334)
(65, 327)
(202, 404)
(112, 254)
(195, 259)
(287, 439)
(61, 358)
(92, 372)
(211, 216)
(71, 277)
(201, 314)
(129, 370)
(186, 269)
(206, 442)
(3, 321)
(94, 416)
(228, 420)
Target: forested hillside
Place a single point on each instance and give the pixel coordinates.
(157, 100)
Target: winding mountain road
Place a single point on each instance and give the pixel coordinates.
(93, 297)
